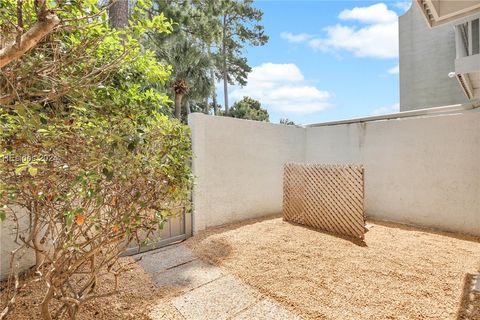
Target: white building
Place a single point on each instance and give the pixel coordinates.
(439, 54)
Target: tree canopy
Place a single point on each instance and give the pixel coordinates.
(287, 122)
(218, 30)
(240, 23)
(249, 109)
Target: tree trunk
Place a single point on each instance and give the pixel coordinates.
(205, 108)
(187, 107)
(214, 95)
(214, 99)
(224, 56)
(225, 89)
(178, 105)
(118, 13)
(44, 305)
(36, 237)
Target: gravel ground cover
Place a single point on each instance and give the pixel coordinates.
(138, 296)
(398, 272)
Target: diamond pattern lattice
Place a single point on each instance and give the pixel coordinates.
(327, 197)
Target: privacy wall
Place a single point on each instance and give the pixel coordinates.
(238, 166)
(422, 170)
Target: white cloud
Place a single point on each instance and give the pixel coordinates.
(375, 37)
(376, 14)
(386, 110)
(403, 5)
(282, 89)
(295, 38)
(394, 70)
(375, 41)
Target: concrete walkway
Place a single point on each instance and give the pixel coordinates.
(205, 291)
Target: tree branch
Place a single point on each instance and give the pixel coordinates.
(19, 26)
(29, 39)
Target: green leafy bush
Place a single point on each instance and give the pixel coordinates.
(87, 149)
(91, 186)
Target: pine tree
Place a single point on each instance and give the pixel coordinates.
(118, 13)
(240, 27)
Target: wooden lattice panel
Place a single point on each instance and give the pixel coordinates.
(327, 197)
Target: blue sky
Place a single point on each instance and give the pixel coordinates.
(325, 60)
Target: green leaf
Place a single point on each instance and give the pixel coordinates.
(161, 225)
(99, 200)
(90, 193)
(69, 218)
(3, 215)
(33, 171)
(80, 108)
(20, 168)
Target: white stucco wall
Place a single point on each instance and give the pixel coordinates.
(422, 170)
(238, 166)
(26, 258)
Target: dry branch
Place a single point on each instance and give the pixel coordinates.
(29, 39)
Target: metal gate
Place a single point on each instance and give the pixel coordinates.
(175, 230)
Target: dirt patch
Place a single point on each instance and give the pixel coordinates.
(399, 272)
(138, 295)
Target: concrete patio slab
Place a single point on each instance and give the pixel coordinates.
(166, 258)
(164, 310)
(187, 276)
(204, 291)
(266, 309)
(219, 299)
